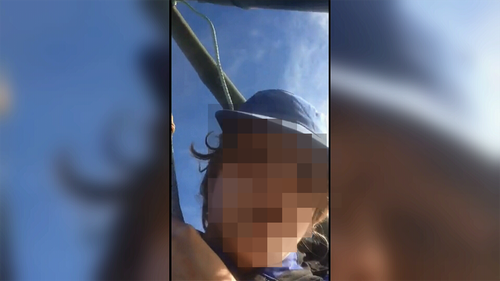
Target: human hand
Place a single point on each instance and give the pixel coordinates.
(172, 125)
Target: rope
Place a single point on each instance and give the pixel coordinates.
(217, 57)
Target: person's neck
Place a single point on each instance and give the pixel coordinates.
(213, 237)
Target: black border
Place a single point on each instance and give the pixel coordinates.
(170, 152)
(329, 141)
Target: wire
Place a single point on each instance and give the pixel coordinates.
(217, 57)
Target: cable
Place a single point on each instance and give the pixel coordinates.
(217, 57)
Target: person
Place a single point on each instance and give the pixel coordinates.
(408, 203)
(264, 190)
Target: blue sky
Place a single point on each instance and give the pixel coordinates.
(72, 66)
(259, 49)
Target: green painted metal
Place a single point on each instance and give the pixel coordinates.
(195, 52)
(202, 61)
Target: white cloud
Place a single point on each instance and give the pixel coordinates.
(258, 54)
(233, 68)
(240, 57)
(277, 44)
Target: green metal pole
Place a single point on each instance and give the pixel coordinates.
(202, 61)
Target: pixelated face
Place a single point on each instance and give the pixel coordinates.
(264, 198)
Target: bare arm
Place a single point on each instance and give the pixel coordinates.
(193, 259)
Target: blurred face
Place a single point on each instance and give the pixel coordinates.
(263, 200)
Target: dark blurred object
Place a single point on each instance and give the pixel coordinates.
(408, 202)
(5, 256)
(146, 197)
(5, 253)
(156, 64)
(314, 252)
(412, 198)
(315, 248)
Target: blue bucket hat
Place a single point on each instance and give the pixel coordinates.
(283, 112)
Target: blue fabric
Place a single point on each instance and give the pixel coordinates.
(280, 104)
(289, 263)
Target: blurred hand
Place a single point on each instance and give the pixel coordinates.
(192, 258)
(172, 125)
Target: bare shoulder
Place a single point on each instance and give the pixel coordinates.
(157, 255)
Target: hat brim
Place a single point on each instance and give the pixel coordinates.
(229, 119)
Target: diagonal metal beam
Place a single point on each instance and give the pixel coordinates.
(202, 61)
(195, 52)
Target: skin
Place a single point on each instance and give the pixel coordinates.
(397, 215)
(194, 256)
(251, 238)
(257, 208)
(265, 244)
(190, 251)
(393, 217)
(172, 125)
